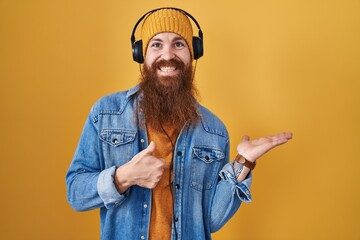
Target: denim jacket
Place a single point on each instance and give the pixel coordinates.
(206, 193)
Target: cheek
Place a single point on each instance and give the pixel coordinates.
(186, 58)
(148, 61)
(149, 57)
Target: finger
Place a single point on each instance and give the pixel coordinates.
(276, 139)
(287, 135)
(245, 138)
(156, 163)
(151, 148)
(284, 137)
(163, 162)
(280, 139)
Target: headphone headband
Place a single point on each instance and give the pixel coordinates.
(137, 45)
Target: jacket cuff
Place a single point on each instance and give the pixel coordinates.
(107, 190)
(242, 189)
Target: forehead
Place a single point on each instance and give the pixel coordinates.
(167, 36)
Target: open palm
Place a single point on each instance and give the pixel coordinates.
(253, 149)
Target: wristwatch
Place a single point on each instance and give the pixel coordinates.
(241, 159)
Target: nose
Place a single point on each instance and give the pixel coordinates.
(167, 53)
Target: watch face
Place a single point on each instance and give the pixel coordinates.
(246, 163)
(241, 159)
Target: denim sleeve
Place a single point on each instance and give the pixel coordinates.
(107, 190)
(89, 186)
(229, 195)
(229, 173)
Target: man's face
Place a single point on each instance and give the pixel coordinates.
(164, 50)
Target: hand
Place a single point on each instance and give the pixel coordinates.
(143, 170)
(253, 149)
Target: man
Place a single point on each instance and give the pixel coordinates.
(152, 158)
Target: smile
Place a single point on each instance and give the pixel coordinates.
(167, 69)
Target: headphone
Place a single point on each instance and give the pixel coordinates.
(137, 46)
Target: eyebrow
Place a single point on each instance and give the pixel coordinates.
(156, 39)
(178, 38)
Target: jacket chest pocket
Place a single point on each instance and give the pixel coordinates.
(205, 167)
(117, 146)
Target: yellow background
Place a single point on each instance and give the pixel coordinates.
(269, 66)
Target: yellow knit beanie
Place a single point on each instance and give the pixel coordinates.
(167, 20)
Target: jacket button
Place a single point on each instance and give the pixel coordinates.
(179, 153)
(176, 219)
(177, 186)
(115, 140)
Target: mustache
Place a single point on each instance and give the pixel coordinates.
(168, 63)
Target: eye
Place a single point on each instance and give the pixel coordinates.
(156, 45)
(179, 44)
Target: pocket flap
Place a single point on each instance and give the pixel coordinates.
(208, 154)
(117, 137)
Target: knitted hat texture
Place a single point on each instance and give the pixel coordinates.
(166, 20)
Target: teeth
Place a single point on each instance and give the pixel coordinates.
(167, 69)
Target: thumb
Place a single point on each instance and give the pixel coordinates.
(151, 148)
(245, 138)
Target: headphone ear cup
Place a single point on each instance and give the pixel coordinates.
(198, 47)
(137, 52)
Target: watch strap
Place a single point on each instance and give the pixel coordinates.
(241, 159)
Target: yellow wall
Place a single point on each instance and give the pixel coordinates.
(269, 66)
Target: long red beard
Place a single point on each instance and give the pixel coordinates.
(169, 101)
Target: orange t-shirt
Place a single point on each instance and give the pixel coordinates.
(162, 202)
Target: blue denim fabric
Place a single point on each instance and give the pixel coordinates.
(206, 192)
